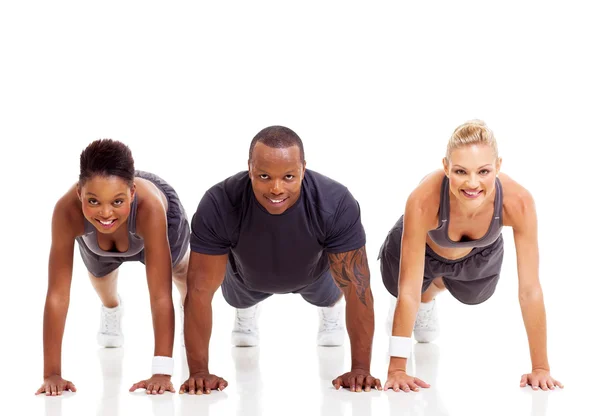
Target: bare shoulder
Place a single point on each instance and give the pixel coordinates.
(424, 201)
(151, 205)
(67, 218)
(517, 203)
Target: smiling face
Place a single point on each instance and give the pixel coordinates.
(106, 202)
(276, 175)
(472, 171)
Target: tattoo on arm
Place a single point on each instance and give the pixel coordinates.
(352, 269)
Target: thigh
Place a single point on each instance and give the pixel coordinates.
(237, 294)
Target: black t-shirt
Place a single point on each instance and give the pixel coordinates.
(277, 253)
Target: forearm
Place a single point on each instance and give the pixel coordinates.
(534, 318)
(404, 320)
(360, 320)
(198, 328)
(55, 314)
(163, 320)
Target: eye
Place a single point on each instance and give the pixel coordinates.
(92, 201)
(484, 171)
(263, 176)
(289, 177)
(460, 172)
(118, 202)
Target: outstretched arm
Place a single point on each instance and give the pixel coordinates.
(350, 271)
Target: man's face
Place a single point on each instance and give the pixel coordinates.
(276, 176)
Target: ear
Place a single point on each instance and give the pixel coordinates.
(78, 189)
(249, 168)
(498, 165)
(133, 190)
(446, 166)
(303, 168)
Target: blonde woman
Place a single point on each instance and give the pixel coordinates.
(450, 238)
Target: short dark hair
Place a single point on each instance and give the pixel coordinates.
(106, 157)
(277, 137)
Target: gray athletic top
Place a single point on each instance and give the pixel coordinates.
(136, 243)
(440, 234)
(277, 253)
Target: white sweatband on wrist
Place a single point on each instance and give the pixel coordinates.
(162, 365)
(400, 347)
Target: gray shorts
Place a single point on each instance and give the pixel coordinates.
(471, 279)
(322, 292)
(178, 230)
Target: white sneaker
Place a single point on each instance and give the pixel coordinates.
(331, 328)
(426, 327)
(110, 334)
(245, 327)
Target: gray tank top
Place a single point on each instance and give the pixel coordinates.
(440, 234)
(136, 243)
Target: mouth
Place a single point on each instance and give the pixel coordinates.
(471, 194)
(106, 223)
(276, 202)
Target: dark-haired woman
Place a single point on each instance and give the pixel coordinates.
(116, 214)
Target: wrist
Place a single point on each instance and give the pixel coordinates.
(162, 366)
(397, 364)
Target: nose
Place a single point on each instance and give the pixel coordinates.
(473, 181)
(276, 187)
(106, 211)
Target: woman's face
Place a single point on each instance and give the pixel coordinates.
(106, 202)
(472, 171)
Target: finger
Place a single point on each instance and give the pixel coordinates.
(413, 386)
(558, 383)
(53, 388)
(200, 386)
(550, 384)
(360, 380)
(378, 384)
(183, 388)
(421, 383)
(222, 384)
(337, 383)
(171, 388)
(404, 386)
(192, 385)
(71, 387)
(161, 389)
(154, 388)
(40, 390)
(352, 383)
(543, 385)
(138, 385)
(535, 384)
(396, 387)
(369, 381)
(523, 380)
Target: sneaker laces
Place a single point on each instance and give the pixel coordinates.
(330, 319)
(245, 323)
(424, 318)
(110, 321)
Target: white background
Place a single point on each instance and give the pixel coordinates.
(374, 90)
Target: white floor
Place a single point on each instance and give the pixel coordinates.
(474, 368)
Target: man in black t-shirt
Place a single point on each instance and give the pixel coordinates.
(278, 228)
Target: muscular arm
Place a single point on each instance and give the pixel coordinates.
(523, 217)
(350, 271)
(205, 275)
(412, 265)
(60, 270)
(152, 226)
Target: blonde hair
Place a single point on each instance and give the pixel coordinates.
(471, 132)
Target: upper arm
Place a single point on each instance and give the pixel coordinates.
(520, 213)
(206, 272)
(418, 219)
(209, 229)
(350, 270)
(345, 231)
(60, 264)
(152, 226)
